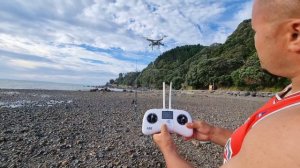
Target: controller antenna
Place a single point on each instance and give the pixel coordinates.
(164, 97)
(170, 96)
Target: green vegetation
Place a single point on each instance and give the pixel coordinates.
(233, 64)
(127, 79)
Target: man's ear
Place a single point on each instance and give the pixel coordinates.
(294, 39)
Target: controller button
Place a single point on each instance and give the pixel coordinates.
(152, 118)
(182, 119)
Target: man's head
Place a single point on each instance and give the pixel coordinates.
(277, 38)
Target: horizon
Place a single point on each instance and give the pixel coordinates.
(90, 42)
(37, 81)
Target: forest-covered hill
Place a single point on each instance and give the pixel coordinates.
(232, 64)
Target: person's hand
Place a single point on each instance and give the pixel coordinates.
(202, 131)
(166, 145)
(164, 140)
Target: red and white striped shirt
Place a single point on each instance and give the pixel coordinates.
(273, 106)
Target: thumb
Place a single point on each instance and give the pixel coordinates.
(164, 129)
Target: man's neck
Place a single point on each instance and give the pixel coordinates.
(295, 85)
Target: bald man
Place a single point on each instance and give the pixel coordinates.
(271, 136)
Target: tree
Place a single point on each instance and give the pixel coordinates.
(177, 83)
(111, 81)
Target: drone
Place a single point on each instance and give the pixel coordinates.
(157, 43)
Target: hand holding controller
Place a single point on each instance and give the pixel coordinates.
(174, 119)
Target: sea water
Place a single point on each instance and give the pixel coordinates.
(22, 84)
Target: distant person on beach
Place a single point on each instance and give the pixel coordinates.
(271, 136)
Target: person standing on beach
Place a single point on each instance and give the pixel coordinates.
(270, 137)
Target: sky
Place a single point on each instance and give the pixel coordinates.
(92, 41)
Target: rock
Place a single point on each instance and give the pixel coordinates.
(76, 161)
(108, 148)
(117, 162)
(19, 139)
(43, 142)
(133, 156)
(92, 153)
(71, 158)
(247, 94)
(230, 93)
(7, 131)
(65, 146)
(2, 139)
(63, 163)
(94, 90)
(3, 165)
(25, 129)
(196, 143)
(110, 165)
(79, 142)
(100, 155)
(40, 153)
(32, 149)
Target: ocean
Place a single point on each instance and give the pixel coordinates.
(22, 84)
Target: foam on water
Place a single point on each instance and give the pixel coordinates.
(25, 103)
(21, 84)
(10, 93)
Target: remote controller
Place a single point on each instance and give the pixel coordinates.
(173, 118)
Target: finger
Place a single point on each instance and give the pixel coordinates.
(189, 125)
(202, 137)
(196, 124)
(164, 129)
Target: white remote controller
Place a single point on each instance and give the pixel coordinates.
(173, 118)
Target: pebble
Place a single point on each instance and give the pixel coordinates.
(79, 142)
(2, 139)
(64, 163)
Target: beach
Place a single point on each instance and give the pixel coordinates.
(43, 128)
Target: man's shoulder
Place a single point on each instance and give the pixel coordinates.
(284, 124)
(273, 142)
(277, 136)
(286, 119)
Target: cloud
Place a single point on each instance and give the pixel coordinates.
(96, 40)
(32, 64)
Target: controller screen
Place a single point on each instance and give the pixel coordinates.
(167, 114)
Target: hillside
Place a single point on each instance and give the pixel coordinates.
(232, 64)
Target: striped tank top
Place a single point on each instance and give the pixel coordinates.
(273, 106)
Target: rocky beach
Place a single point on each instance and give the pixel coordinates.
(40, 128)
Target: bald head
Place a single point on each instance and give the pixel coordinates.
(279, 9)
(277, 36)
